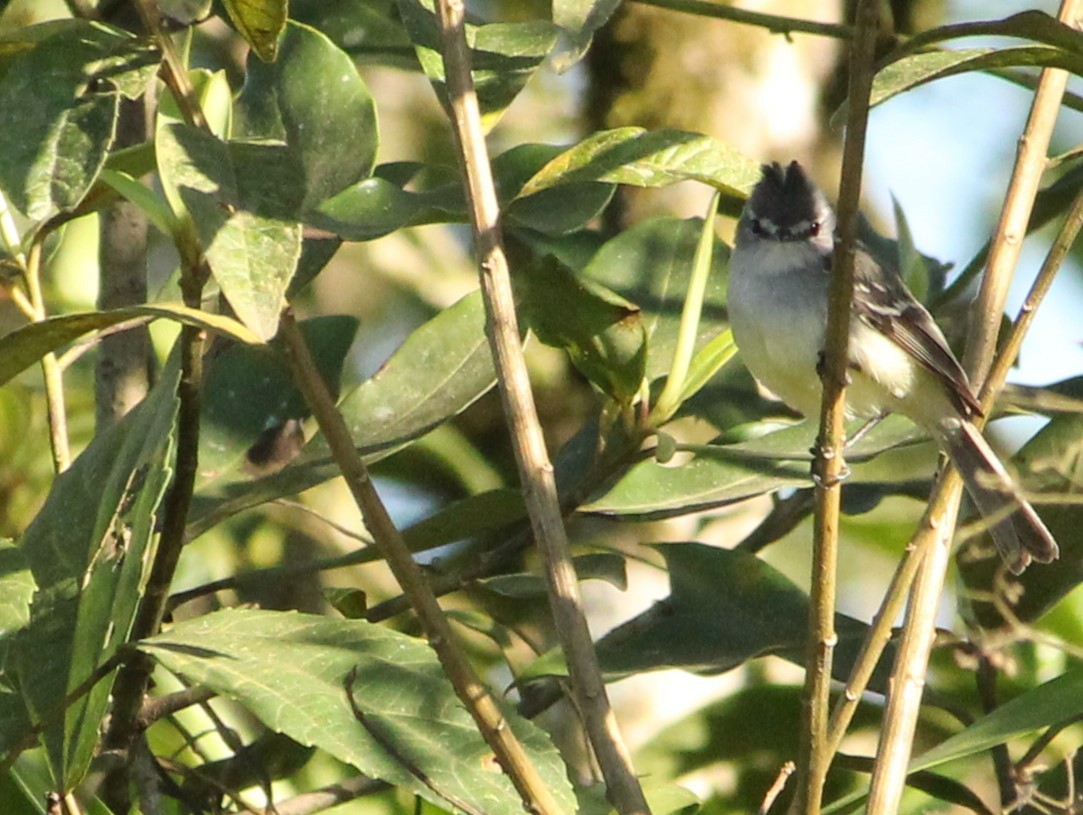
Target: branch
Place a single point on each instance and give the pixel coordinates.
(1062, 244)
(122, 374)
(934, 536)
(161, 706)
(828, 467)
(309, 802)
(772, 22)
(54, 381)
(532, 458)
(474, 695)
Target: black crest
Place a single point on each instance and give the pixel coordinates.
(786, 200)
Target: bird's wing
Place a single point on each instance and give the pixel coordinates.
(882, 301)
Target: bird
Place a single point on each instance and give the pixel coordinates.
(898, 359)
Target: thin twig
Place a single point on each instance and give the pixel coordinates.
(474, 695)
(1007, 241)
(54, 380)
(872, 648)
(535, 468)
(828, 467)
(772, 22)
(332, 795)
(783, 518)
(1005, 359)
(777, 787)
(986, 679)
(904, 701)
(161, 706)
(1038, 747)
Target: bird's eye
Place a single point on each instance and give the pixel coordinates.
(758, 229)
(814, 229)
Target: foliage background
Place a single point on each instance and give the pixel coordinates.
(725, 736)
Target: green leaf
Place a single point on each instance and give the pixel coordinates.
(606, 566)
(260, 23)
(249, 389)
(644, 158)
(370, 32)
(1031, 25)
(918, 69)
(290, 671)
(553, 211)
(481, 514)
(1055, 702)
(503, 56)
(16, 589)
(651, 265)
(377, 206)
(710, 359)
(244, 202)
(439, 371)
(601, 331)
(314, 100)
(723, 474)
(156, 210)
(725, 608)
(90, 549)
(215, 97)
(910, 263)
(60, 93)
(663, 798)
(580, 19)
(411, 194)
(25, 346)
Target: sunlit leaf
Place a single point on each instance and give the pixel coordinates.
(722, 474)
(244, 202)
(75, 73)
(1057, 701)
(645, 158)
(918, 69)
(260, 23)
(580, 19)
(302, 663)
(313, 99)
(25, 346)
(503, 56)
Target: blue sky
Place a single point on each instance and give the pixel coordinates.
(945, 151)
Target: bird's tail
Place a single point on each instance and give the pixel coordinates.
(1019, 534)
